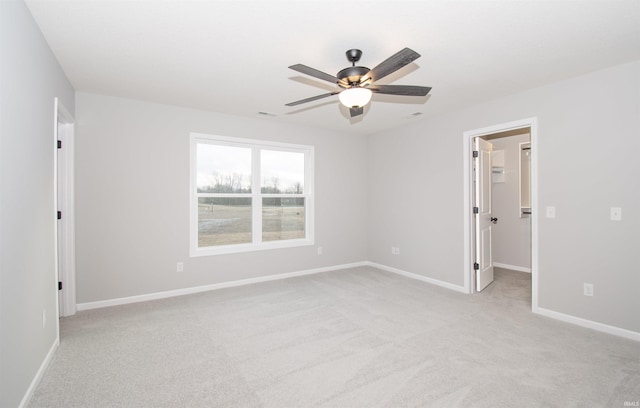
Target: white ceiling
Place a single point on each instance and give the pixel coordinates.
(232, 56)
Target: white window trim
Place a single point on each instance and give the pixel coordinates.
(256, 196)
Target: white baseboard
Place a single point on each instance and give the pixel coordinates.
(36, 380)
(616, 331)
(589, 324)
(422, 278)
(206, 288)
(215, 286)
(512, 267)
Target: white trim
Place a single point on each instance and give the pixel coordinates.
(38, 377)
(616, 331)
(244, 142)
(416, 276)
(532, 124)
(512, 267)
(239, 248)
(215, 286)
(589, 324)
(533, 179)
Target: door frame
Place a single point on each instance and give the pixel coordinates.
(468, 137)
(64, 130)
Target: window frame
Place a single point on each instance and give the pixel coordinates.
(256, 195)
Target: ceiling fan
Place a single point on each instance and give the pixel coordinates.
(357, 82)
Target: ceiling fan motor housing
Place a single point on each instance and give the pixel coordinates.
(351, 75)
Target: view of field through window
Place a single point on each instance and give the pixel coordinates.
(224, 221)
(225, 195)
(282, 218)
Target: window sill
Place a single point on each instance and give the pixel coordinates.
(240, 248)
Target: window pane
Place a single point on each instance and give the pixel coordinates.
(223, 169)
(224, 221)
(282, 218)
(282, 172)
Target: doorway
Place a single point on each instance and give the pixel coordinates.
(510, 197)
(64, 195)
(528, 212)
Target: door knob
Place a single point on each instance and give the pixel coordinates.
(494, 220)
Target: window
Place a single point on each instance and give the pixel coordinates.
(248, 195)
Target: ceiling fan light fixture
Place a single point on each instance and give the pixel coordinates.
(355, 97)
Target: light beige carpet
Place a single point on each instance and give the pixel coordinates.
(353, 338)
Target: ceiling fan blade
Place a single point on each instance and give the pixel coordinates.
(406, 90)
(313, 98)
(356, 111)
(392, 64)
(314, 73)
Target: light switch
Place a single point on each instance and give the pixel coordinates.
(551, 212)
(616, 214)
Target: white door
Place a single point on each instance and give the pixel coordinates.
(64, 132)
(483, 222)
(59, 229)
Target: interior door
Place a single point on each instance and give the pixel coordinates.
(64, 131)
(60, 175)
(482, 201)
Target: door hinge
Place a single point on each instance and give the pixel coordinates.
(59, 285)
(476, 210)
(59, 144)
(59, 215)
(476, 266)
(475, 153)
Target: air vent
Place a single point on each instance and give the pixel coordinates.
(267, 114)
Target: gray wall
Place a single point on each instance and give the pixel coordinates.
(588, 139)
(132, 199)
(511, 236)
(30, 78)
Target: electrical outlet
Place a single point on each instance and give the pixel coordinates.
(319, 250)
(588, 289)
(395, 251)
(616, 214)
(179, 267)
